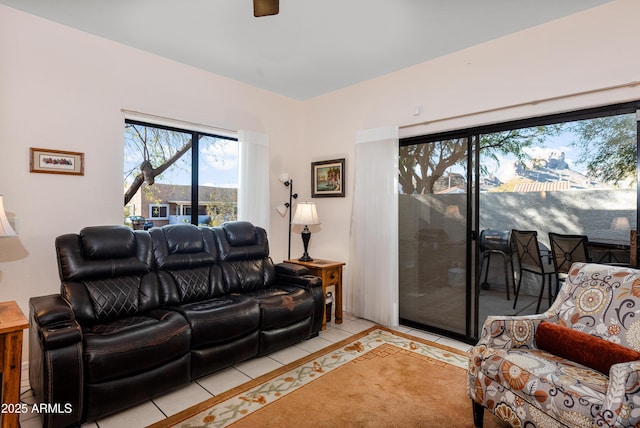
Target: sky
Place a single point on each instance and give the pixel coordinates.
(218, 165)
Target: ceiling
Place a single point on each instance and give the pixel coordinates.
(311, 47)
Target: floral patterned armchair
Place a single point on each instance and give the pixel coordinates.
(527, 386)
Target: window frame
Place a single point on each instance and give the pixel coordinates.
(473, 221)
(152, 206)
(196, 133)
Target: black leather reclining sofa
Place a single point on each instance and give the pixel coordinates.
(143, 312)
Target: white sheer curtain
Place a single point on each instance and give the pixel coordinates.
(373, 271)
(253, 186)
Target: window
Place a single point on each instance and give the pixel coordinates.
(169, 170)
(158, 211)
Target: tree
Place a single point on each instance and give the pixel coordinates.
(423, 164)
(158, 148)
(608, 147)
(222, 205)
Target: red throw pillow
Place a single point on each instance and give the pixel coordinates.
(591, 351)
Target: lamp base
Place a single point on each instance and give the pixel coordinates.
(306, 235)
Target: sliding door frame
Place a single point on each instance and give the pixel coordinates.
(473, 191)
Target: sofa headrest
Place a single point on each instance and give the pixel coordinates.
(103, 252)
(107, 242)
(183, 238)
(241, 240)
(182, 246)
(240, 233)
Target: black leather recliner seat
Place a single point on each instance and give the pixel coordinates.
(105, 342)
(141, 313)
(224, 326)
(286, 311)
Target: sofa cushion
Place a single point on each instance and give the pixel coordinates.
(106, 299)
(185, 256)
(586, 349)
(132, 345)
(221, 320)
(282, 306)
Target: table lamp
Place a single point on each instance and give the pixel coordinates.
(306, 215)
(5, 228)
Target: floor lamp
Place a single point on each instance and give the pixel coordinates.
(284, 178)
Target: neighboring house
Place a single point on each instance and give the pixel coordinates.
(171, 204)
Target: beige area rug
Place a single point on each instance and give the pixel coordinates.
(377, 378)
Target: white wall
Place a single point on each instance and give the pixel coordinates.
(64, 89)
(584, 52)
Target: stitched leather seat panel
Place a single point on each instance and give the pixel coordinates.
(221, 320)
(280, 307)
(121, 325)
(193, 284)
(133, 345)
(247, 275)
(114, 298)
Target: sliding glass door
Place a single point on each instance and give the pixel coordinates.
(572, 173)
(433, 247)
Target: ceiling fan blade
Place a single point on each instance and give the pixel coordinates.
(266, 7)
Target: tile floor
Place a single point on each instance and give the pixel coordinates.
(206, 387)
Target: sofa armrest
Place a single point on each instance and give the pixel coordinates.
(308, 282)
(53, 320)
(621, 405)
(50, 309)
(296, 275)
(291, 269)
(508, 332)
(55, 359)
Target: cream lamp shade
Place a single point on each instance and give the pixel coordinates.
(306, 214)
(5, 228)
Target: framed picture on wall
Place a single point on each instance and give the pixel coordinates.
(56, 162)
(327, 178)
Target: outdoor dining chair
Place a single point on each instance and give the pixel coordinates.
(530, 260)
(496, 243)
(566, 250)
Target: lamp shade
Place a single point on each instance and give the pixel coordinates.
(5, 228)
(306, 214)
(284, 177)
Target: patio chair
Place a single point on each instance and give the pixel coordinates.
(496, 243)
(566, 250)
(530, 260)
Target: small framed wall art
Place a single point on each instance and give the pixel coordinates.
(56, 162)
(327, 178)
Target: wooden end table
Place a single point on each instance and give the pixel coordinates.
(12, 322)
(331, 274)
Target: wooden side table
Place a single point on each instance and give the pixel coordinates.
(331, 274)
(12, 322)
